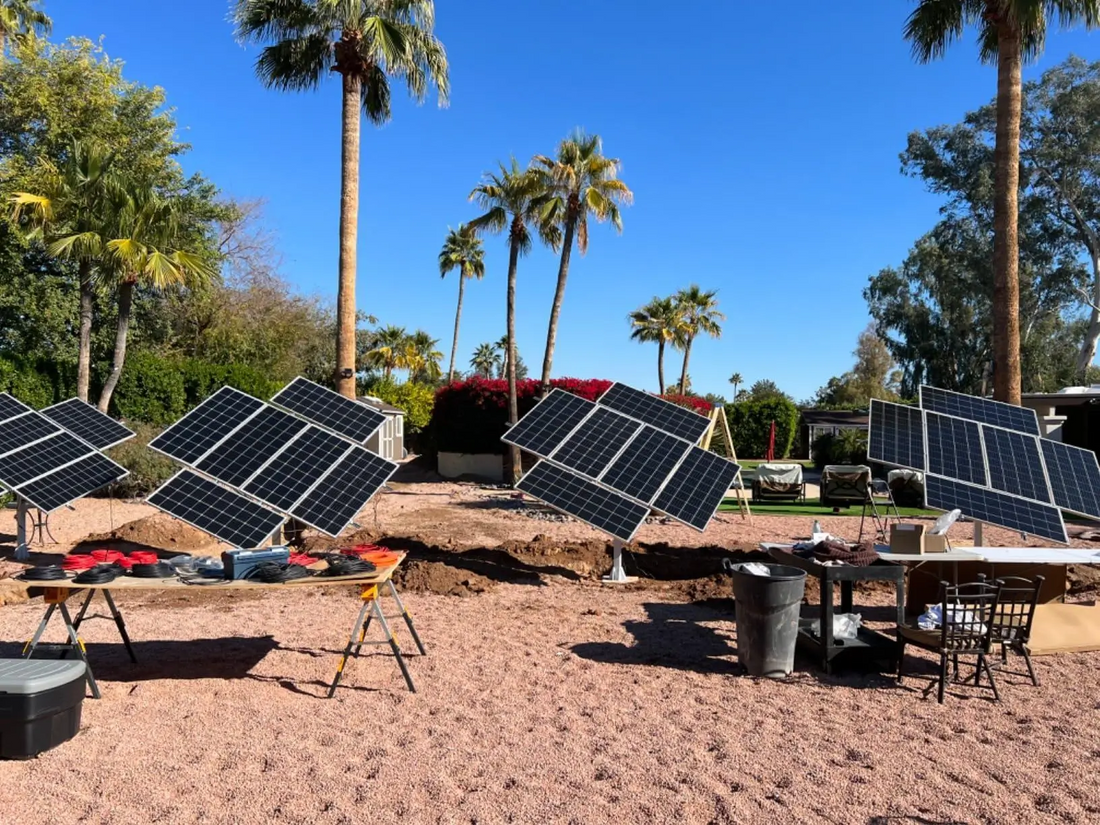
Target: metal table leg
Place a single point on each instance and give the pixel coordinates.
(408, 618)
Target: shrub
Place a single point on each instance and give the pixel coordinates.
(26, 383)
(750, 422)
(150, 389)
(417, 400)
(693, 402)
(148, 470)
(846, 447)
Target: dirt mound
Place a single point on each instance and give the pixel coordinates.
(156, 532)
(438, 578)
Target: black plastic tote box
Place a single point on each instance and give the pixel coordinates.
(40, 703)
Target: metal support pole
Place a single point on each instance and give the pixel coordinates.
(22, 551)
(978, 539)
(617, 575)
(408, 618)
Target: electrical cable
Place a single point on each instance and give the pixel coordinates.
(44, 573)
(201, 580)
(340, 565)
(271, 572)
(100, 574)
(160, 570)
(79, 561)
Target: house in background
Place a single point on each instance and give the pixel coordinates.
(816, 423)
(1071, 415)
(389, 441)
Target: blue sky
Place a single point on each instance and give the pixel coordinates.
(762, 149)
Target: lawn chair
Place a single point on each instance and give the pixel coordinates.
(907, 487)
(845, 485)
(966, 629)
(778, 482)
(1013, 617)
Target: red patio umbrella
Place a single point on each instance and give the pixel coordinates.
(771, 443)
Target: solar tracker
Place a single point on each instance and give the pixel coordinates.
(71, 482)
(995, 507)
(543, 429)
(983, 410)
(896, 435)
(1014, 464)
(11, 406)
(344, 491)
(255, 443)
(576, 496)
(643, 466)
(1074, 477)
(693, 493)
(329, 409)
(596, 442)
(81, 418)
(649, 409)
(222, 513)
(297, 468)
(216, 417)
(954, 448)
(42, 457)
(18, 432)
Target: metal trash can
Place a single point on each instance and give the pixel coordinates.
(768, 610)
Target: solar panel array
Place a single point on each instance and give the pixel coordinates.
(274, 459)
(44, 463)
(627, 448)
(81, 418)
(987, 459)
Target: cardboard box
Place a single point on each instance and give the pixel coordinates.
(915, 539)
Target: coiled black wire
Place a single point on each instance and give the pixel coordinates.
(44, 573)
(159, 570)
(271, 572)
(341, 565)
(100, 574)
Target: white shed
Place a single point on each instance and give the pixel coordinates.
(389, 441)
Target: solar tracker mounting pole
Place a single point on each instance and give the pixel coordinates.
(978, 538)
(22, 551)
(617, 575)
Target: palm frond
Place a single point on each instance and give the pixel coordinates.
(296, 64)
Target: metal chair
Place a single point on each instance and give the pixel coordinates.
(1011, 625)
(965, 630)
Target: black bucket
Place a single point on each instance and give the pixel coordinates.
(768, 609)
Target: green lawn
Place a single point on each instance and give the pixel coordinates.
(812, 508)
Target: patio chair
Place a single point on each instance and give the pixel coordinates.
(1013, 617)
(844, 485)
(965, 630)
(778, 482)
(907, 487)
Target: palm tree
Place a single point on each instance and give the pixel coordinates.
(72, 212)
(462, 250)
(580, 182)
(486, 360)
(737, 381)
(512, 199)
(422, 358)
(388, 352)
(699, 311)
(21, 20)
(142, 253)
(658, 321)
(1009, 32)
(366, 42)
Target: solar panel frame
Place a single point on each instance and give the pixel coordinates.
(886, 417)
(658, 413)
(1011, 469)
(348, 471)
(249, 448)
(645, 464)
(677, 491)
(1065, 463)
(24, 430)
(64, 485)
(596, 442)
(942, 493)
(953, 448)
(282, 482)
(549, 423)
(982, 410)
(10, 406)
(329, 410)
(82, 419)
(187, 483)
(228, 407)
(585, 500)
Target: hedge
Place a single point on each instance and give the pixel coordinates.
(750, 422)
(29, 384)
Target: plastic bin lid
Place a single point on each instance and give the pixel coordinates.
(23, 676)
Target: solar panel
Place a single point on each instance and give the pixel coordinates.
(297, 468)
(983, 410)
(329, 409)
(693, 493)
(1074, 477)
(10, 406)
(664, 415)
(71, 482)
(1014, 464)
(994, 507)
(644, 465)
(81, 418)
(16, 433)
(42, 457)
(344, 491)
(193, 435)
(585, 500)
(896, 435)
(549, 422)
(257, 441)
(954, 448)
(222, 513)
(596, 442)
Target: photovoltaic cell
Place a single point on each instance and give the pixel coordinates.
(297, 468)
(10, 406)
(592, 446)
(983, 410)
(344, 491)
(72, 482)
(583, 499)
(245, 451)
(995, 507)
(1074, 477)
(16, 433)
(329, 409)
(656, 412)
(222, 513)
(1014, 464)
(645, 464)
(39, 459)
(954, 448)
(543, 429)
(211, 421)
(695, 490)
(896, 435)
(81, 418)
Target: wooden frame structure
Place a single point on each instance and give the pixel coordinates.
(719, 423)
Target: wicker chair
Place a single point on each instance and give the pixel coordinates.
(1013, 617)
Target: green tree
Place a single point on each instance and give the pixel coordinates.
(502, 370)
(20, 20)
(389, 350)
(462, 250)
(512, 199)
(658, 322)
(1009, 32)
(368, 43)
(700, 314)
(422, 358)
(737, 381)
(765, 389)
(486, 360)
(580, 182)
(874, 375)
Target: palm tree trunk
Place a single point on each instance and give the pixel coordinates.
(458, 317)
(84, 351)
(555, 309)
(125, 302)
(1006, 281)
(349, 232)
(513, 403)
(684, 371)
(661, 365)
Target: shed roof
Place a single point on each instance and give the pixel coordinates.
(380, 405)
(834, 418)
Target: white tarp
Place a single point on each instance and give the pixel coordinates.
(907, 475)
(779, 473)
